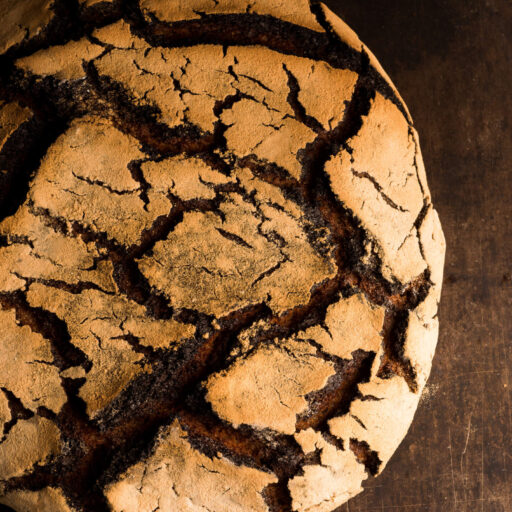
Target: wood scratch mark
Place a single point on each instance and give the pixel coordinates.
(467, 437)
(465, 477)
(451, 465)
(482, 450)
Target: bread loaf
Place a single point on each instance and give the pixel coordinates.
(220, 265)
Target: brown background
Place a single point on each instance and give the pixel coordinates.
(452, 62)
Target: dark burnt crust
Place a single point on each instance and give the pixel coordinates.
(96, 452)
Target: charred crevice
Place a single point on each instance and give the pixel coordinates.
(219, 140)
(418, 223)
(102, 184)
(394, 331)
(134, 341)
(333, 440)
(46, 413)
(101, 14)
(412, 294)
(83, 456)
(123, 454)
(202, 321)
(318, 12)
(216, 162)
(135, 168)
(297, 107)
(7, 240)
(57, 224)
(313, 313)
(20, 157)
(127, 275)
(379, 189)
(300, 317)
(277, 496)
(132, 283)
(73, 288)
(262, 449)
(51, 100)
(273, 174)
(270, 271)
(141, 122)
(234, 238)
(421, 216)
(340, 391)
(393, 361)
(132, 14)
(366, 456)
(18, 412)
(251, 79)
(48, 325)
(39, 477)
(314, 180)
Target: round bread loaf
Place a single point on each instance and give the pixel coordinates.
(219, 262)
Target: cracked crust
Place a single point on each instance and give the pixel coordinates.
(23, 19)
(219, 262)
(292, 371)
(195, 482)
(61, 61)
(38, 383)
(12, 116)
(297, 12)
(336, 479)
(30, 442)
(46, 499)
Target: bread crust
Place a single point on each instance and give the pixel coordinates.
(220, 265)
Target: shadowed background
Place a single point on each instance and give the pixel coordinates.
(452, 62)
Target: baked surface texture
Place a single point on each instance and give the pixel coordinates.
(219, 262)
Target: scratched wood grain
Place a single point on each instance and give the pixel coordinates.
(452, 62)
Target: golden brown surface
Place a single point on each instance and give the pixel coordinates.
(195, 482)
(219, 264)
(22, 19)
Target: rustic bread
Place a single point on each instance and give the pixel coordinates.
(219, 262)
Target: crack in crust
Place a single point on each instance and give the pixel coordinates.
(52, 328)
(100, 450)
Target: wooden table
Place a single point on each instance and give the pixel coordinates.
(452, 62)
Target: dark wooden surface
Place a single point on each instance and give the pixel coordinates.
(452, 62)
